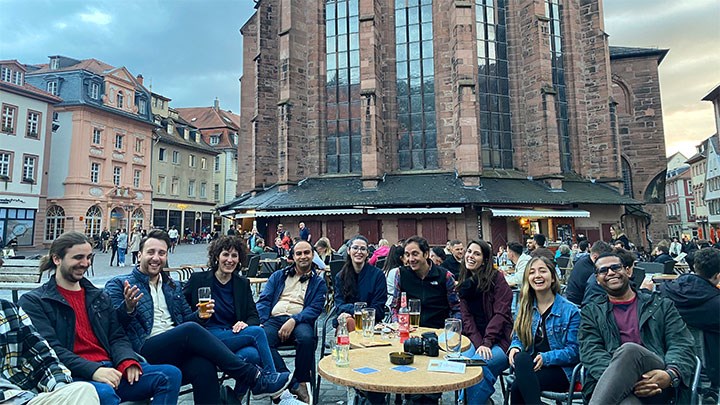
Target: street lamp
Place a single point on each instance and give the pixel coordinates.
(128, 208)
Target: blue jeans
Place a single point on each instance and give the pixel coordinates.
(482, 391)
(121, 255)
(159, 382)
(250, 345)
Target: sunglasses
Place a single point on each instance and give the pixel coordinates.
(614, 267)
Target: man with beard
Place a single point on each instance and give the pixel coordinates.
(289, 305)
(634, 345)
(78, 321)
(452, 261)
(162, 328)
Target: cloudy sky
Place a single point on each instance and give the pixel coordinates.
(191, 50)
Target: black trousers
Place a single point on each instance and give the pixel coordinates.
(528, 383)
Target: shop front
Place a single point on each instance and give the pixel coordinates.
(17, 220)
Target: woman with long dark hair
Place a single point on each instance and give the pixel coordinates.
(359, 281)
(545, 346)
(485, 299)
(393, 262)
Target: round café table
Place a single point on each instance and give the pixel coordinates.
(358, 341)
(386, 380)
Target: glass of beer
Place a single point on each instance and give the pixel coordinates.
(453, 337)
(359, 306)
(414, 307)
(368, 318)
(204, 299)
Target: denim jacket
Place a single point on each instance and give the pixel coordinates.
(562, 325)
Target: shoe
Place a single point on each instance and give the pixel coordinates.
(289, 399)
(301, 392)
(270, 384)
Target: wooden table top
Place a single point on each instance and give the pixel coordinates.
(358, 341)
(257, 280)
(419, 381)
(664, 277)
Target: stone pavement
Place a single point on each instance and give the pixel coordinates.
(197, 254)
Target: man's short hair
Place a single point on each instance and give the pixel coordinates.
(707, 262)
(421, 242)
(455, 242)
(539, 239)
(664, 249)
(601, 247)
(583, 245)
(516, 247)
(156, 234)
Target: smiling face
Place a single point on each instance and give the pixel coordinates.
(531, 245)
(457, 251)
(612, 275)
(415, 258)
(473, 258)
(539, 276)
(303, 255)
(358, 252)
(74, 264)
(228, 261)
(153, 257)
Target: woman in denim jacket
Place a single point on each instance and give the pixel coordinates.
(544, 347)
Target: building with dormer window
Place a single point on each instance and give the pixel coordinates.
(100, 155)
(25, 133)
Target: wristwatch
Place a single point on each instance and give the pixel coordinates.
(674, 377)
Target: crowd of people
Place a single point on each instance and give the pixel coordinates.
(525, 309)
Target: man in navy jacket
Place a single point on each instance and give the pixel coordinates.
(289, 305)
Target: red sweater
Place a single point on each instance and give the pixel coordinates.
(87, 345)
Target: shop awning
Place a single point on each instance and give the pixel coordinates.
(298, 213)
(396, 211)
(500, 212)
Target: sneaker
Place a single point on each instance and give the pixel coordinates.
(289, 399)
(270, 384)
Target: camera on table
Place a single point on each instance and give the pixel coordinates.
(426, 345)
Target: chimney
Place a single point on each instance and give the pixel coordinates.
(217, 104)
(140, 79)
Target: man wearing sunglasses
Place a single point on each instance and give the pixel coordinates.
(634, 345)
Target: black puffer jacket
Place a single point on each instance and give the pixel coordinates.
(698, 302)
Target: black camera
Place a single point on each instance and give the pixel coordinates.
(426, 345)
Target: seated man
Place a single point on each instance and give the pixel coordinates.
(80, 324)
(162, 328)
(289, 305)
(697, 299)
(29, 366)
(634, 345)
(583, 269)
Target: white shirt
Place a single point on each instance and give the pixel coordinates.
(173, 234)
(162, 321)
(517, 277)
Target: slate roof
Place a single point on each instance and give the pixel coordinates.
(621, 52)
(209, 117)
(420, 190)
(180, 141)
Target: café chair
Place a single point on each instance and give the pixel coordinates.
(574, 392)
(327, 326)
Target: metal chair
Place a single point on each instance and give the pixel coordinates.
(253, 266)
(578, 376)
(328, 321)
(696, 396)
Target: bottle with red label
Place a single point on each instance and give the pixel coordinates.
(342, 346)
(404, 319)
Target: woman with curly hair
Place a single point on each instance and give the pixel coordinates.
(485, 299)
(545, 346)
(235, 319)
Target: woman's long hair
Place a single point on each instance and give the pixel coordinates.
(394, 259)
(324, 243)
(348, 276)
(486, 273)
(226, 242)
(523, 322)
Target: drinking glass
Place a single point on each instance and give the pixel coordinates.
(414, 307)
(453, 337)
(368, 321)
(358, 315)
(204, 299)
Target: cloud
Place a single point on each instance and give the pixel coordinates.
(95, 16)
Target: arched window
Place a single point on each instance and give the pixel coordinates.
(622, 97)
(138, 217)
(627, 178)
(93, 221)
(54, 222)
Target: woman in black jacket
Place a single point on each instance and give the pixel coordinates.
(235, 318)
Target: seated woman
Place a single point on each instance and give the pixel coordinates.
(324, 250)
(485, 299)
(393, 262)
(544, 347)
(235, 320)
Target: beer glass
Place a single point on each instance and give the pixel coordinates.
(204, 299)
(453, 337)
(368, 320)
(414, 307)
(359, 306)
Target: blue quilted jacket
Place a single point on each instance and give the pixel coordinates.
(139, 324)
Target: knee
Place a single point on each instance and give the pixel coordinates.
(106, 393)
(523, 361)
(304, 335)
(256, 332)
(193, 331)
(84, 392)
(628, 350)
(173, 376)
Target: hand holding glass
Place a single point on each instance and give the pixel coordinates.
(203, 301)
(358, 315)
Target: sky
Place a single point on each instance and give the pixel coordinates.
(191, 50)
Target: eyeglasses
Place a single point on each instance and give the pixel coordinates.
(358, 248)
(614, 267)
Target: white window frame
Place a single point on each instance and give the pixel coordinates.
(5, 163)
(191, 160)
(174, 186)
(52, 87)
(18, 78)
(6, 74)
(138, 145)
(216, 192)
(95, 172)
(94, 91)
(117, 175)
(119, 99)
(29, 165)
(162, 154)
(162, 185)
(217, 163)
(119, 138)
(191, 188)
(214, 140)
(97, 136)
(176, 157)
(203, 190)
(33, 124)
(8, 117)
(142, 106)
(137, 175)
(203, 163)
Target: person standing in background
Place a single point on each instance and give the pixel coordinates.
(122, 245)
(135, 244)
